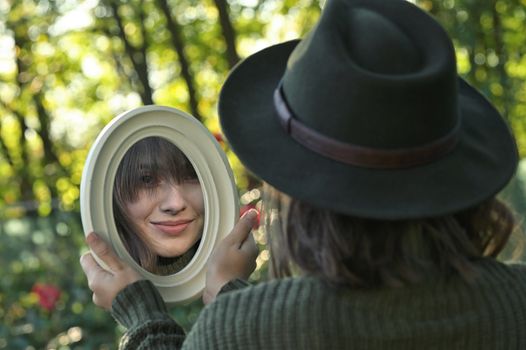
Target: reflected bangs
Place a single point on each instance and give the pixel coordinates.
(154, 159)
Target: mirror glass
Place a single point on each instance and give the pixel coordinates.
(158, 206)
(157, 187)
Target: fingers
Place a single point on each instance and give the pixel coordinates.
(242, 229)
(249, 246)
(104, 252)
(94, 273)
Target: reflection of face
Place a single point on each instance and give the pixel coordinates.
(169, 216)
(158, 202)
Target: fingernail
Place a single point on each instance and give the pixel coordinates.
(250, 214)
(92, 237)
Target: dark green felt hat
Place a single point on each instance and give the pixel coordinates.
(366, 116)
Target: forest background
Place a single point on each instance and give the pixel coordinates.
(67, 67)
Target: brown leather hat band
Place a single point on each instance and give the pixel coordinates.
(358, 155)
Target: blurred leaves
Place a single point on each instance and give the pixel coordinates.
(44, 297)
(66, 69)
(490, 47)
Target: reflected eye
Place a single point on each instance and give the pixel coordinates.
(148, 180)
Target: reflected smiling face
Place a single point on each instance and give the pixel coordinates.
(169, 215)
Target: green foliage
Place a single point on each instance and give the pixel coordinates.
(68, 67)
(45, 251)
(490, 46)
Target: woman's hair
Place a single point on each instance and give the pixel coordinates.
(147, 163)
(358, 252)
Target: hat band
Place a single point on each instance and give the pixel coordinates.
(359, 155)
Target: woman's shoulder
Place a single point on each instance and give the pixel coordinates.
(256, 311)
(494, 271)
(517, 266)
(264, 299)
(274, 291)
(310, 314)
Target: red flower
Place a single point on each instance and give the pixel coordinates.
(48, 295)
(218, 137)
(246, 208)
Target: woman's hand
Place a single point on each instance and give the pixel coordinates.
(235, 257)
(105, 284)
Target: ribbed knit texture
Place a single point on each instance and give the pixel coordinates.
(141, 309)
(234, 285)
(305, 313)
(169, 266)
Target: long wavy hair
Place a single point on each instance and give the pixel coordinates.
(145, 164)
(358, 252)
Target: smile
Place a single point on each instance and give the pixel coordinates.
(172, 227)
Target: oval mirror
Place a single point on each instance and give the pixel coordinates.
(158, 188)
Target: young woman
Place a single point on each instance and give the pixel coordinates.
(158, 206)
(385, 166)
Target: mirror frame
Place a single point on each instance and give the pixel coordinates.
(213, 170)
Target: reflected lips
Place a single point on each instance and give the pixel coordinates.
(172, 227)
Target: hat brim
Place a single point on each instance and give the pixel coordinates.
(481, 164)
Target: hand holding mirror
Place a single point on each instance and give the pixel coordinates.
(158, 188)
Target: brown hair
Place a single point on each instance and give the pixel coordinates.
(144, 165)
(359, 252)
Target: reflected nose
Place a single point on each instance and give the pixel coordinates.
(173, 200)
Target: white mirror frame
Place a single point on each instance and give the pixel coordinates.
(213, 170)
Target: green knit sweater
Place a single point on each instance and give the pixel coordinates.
(305, 313)
(169, 266)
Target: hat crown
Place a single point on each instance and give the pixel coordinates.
(393, 77)
(384, 49)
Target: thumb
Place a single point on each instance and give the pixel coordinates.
(104, 252)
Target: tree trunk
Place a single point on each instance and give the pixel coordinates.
(26, 189)
(500, 51)
(50, 156)
(178, 44)
(24, 176)
(228, 32)
(4, 151)
(137, 57)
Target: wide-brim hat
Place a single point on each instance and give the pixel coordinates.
(367, 116)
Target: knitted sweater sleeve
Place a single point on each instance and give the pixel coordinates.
(141, 309)
(235, 284)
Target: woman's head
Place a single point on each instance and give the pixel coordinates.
(158, 202)
(366, 120)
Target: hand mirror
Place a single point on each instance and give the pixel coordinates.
(158, 188)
